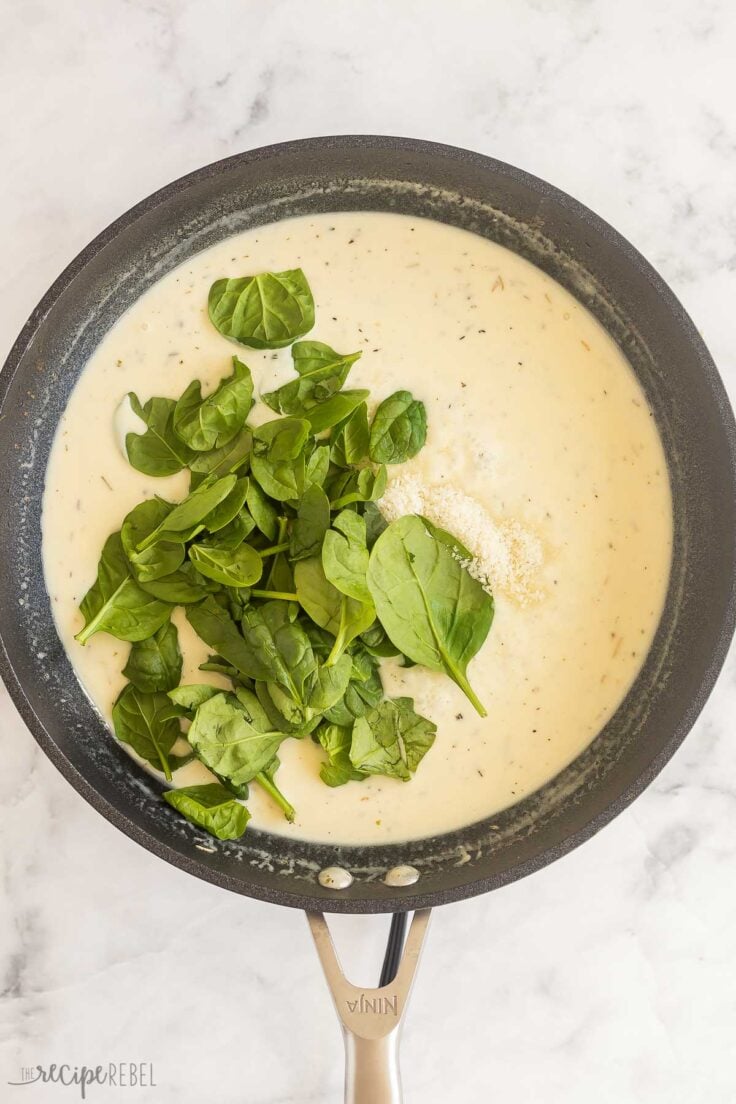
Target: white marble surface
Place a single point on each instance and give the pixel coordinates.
(609, 976)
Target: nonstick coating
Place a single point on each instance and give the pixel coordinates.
(580, 251)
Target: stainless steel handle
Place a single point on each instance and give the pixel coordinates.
(371, 1018)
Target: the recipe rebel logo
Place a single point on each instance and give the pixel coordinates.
(115, 1075)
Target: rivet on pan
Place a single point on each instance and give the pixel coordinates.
(334, 877)
(400, 876)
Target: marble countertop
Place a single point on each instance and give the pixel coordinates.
(609, 975)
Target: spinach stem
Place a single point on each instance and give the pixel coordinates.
(339, 645)
(272, 789)
(467, 689)
(273, 550)
(282, 595)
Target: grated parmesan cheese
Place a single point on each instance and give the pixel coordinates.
(506, 557)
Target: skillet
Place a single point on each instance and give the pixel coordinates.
(696, 424)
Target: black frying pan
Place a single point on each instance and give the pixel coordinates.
(695, 421)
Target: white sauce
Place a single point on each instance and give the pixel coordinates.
(533, 413)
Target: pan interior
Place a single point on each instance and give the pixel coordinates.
(582, 254)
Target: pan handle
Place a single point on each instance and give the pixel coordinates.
(371, 1018)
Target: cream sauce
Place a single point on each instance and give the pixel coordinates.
(533, 412)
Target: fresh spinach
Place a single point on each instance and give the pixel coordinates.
(226, 460)
(363, 692)
(356, 485)
(228, 743)
(266, 311)
(181, 587)
(158, 451)
(192, 695)
(336, 741)
(375, 523)
(188, 515)
(433, 610)
(345, 556)
(232, 535)
(330, 684)
(334, 410)
(399, 429)
(321, 373)
(281, 646)
(328, 607)
(350, 437)
(262, 510)
(211, 807)
(227, 510)
(239, 568)
(116, 604)
(210, 423)
(310, 525)
(317, 466)
(144, 722)
(215, 626)
(160, 559)
(155, 663)
(277, 460)
(391, 739)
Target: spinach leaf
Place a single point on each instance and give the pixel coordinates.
(322, 372)
(266, 781)
(222, 667)
(210, 423)
(333, 410)
(189, 513)
(218, 630)
(349, 438)
(266, 311)
(230, 458)
(342, 616)
(116, 604)
(211, 807)
(280, 577)
(227, 510)
(399, 429)
(239, 568)
(345, 556)
(431, 608)
(312, 357)
(277, 461)
(392, 739)
(138, 720)
(155, 663)
(376, 642)
(158, 451)
(281, 646)
(232, 535)
(336, 741)
(162, 558)
(262, 511)
(330, 684)
(194, 694)
(254, 712)
(227, 743)
(363, 692)
(375, 523)
(351, 486)
(311, 523)
(318, 465)
(181, 587)
(297, 726)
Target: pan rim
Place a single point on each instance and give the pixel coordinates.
(407, 898)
